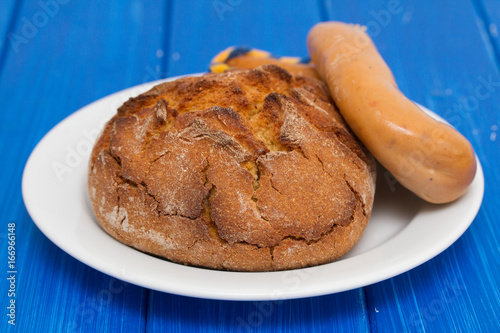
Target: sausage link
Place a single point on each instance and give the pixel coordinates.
(428, 157)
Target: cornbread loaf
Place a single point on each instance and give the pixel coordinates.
(247, 170)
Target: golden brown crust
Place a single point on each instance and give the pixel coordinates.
(246, 170)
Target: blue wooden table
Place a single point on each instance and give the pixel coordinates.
(56, 56)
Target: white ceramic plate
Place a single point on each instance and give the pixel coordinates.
(403, 232)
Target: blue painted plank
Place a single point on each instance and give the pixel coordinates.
(343, 312)
(442, 57)
(59, 294)
(89, 50)
(215, 25)
(8, 17)
(80, 53)
(489, 11)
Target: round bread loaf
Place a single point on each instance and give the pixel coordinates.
(245, 170)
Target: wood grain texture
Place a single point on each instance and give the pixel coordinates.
(343, 312)
(489, 11)
(444, 55)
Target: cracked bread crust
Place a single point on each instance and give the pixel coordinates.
(245, 170)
